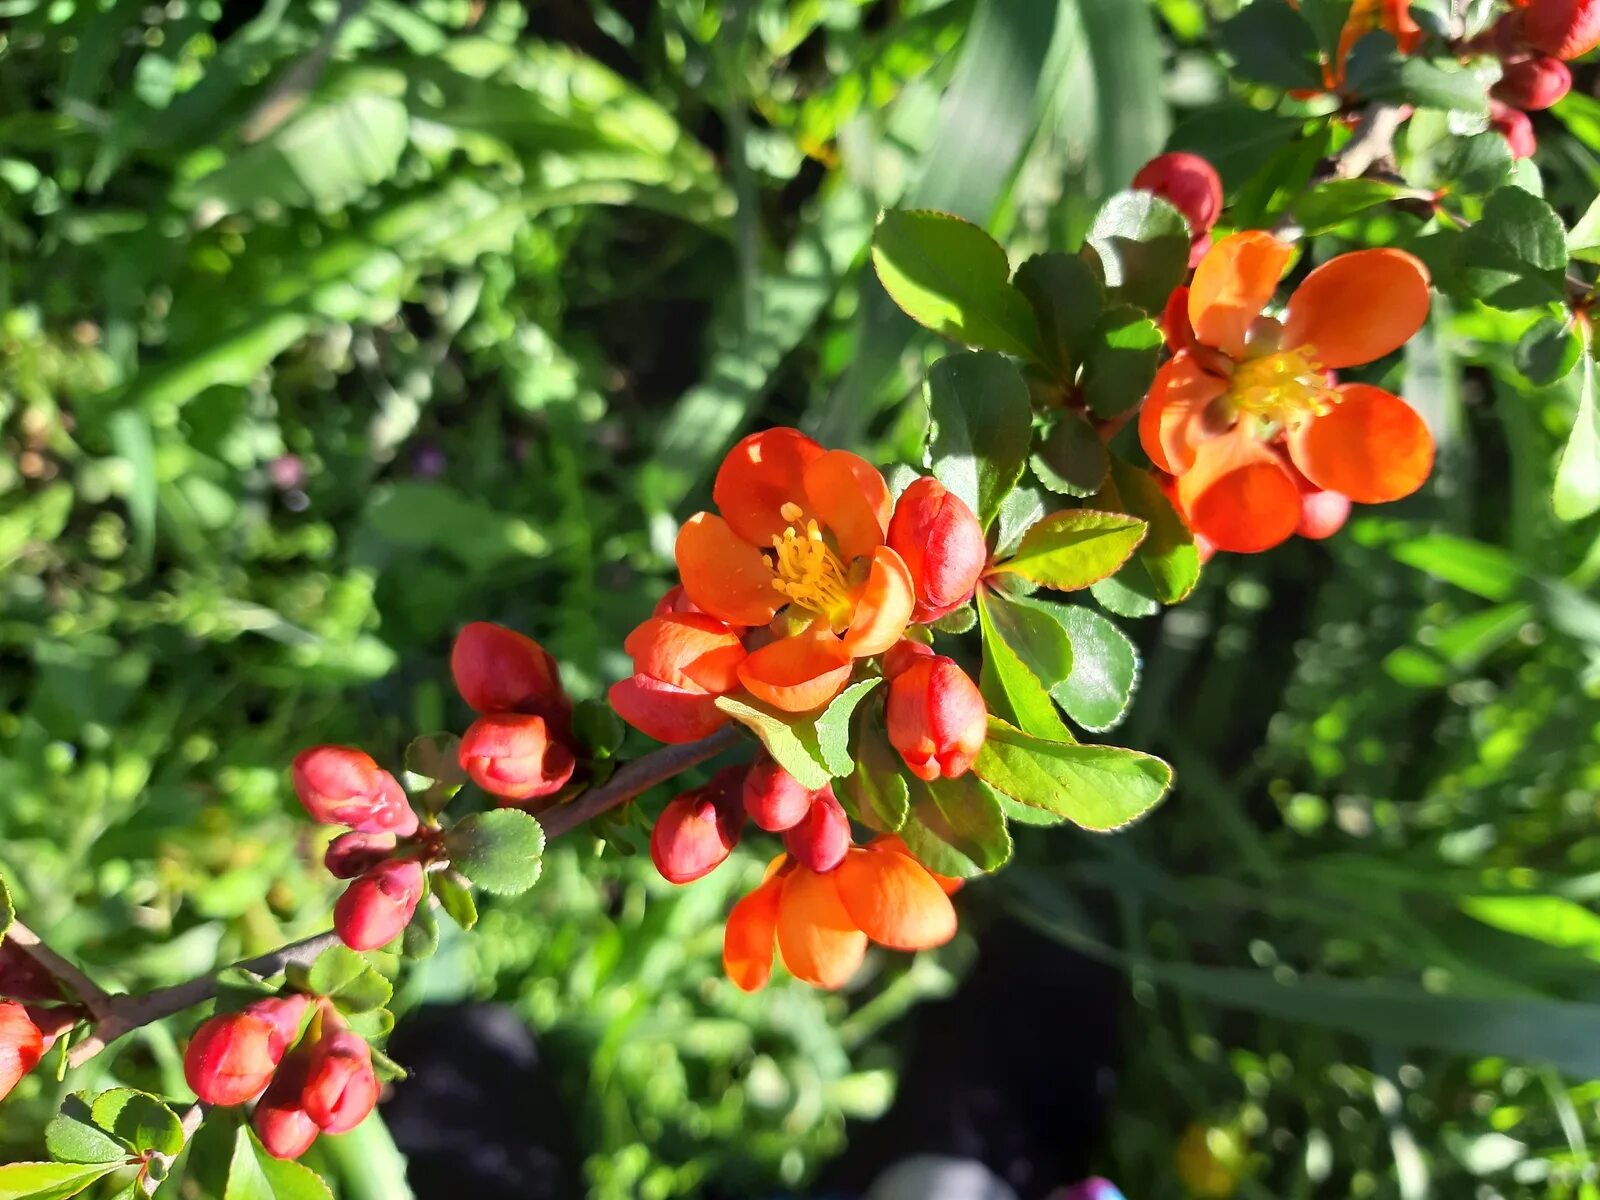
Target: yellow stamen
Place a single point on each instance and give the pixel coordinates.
(1283, 387)
(810, 573)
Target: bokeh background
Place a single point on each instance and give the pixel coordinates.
(328, 327)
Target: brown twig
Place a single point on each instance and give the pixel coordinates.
(119, 1015)
(1373, 141)
(92, 996)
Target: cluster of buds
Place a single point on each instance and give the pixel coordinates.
(381, 853)
(308, 1072)
(1534, 42)
(520, 747)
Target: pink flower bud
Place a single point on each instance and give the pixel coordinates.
(1187, 182)
(340, 1088)
(821, 840)
(339, 785)
(1515, 127)
(232, 1057)
(513, 756)
(1533, 84)
(936, 717)
(352, 854)
(378, 905)
(280, 1120)
(697, 830)
(21, 1045)
(775, 799)
(498, 670)
(942, 545)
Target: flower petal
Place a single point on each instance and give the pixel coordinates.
(761, 474)
(724, 574)
(848, 495)
(1232, 284)
(749, 937)
(893, 843)
(1169, 421)
(895, 901)
(1371, 445)
(688, 650)
(1238, 496)
(1358, 307)
(666, 713)
(818, 941)
(798, 673)
(884, 608)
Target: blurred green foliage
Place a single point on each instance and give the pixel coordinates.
(326, 327)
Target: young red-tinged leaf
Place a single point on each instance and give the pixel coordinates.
(1073, 549)
(499, 851)
(49, 1181)
(1168, 553)
(953, 278)
(1010, 686)
(956, 827)
(981, 429)
(1100, 788)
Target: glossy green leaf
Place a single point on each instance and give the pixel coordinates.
(875, 792)
(1143, 244)
(833, 727)
(139, 1119)
(1329, 205)
(1583, 241)
(500, 851)
(436, 756)
(1168, 555)
(420, 938)
(956, 827)
(1105, 667)
(254, 1174)
(1071, 459)
(348, 979)
(8, 910)
(1271, 43)
(788, 740)
(1516, 252)
(1067, 296)
(1122, 361)
(48, 1181)
(982, 422)
(1099, 788)
(1548, 351)
(1577, 486)
(456, 899)
(1010, 686)
(953, 278)
(71, 1136)
(1073, 549)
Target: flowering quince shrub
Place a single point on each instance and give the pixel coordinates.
(890, 667)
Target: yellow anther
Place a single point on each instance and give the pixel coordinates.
(1284, 387)
(809, 573)
(791, 512)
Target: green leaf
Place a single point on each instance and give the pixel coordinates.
(1554, 920)
(1143, 243)
(833, 727)
(420, 938)
(1073, 549)
(1067, 296)
(1118, 596)
(876, 792)
(1071, 458)
(1033, 631)
(1377, 71)
(436, 756)
(1122, 361)
(982, 425)
(598, 727)
(1236, 139)
(456, 899)
(1548, 351)
(953, 278)
(1515, 254)
(1577, 487)
(956, 828)
(1584, 240)
(8, 910)
(1168, 554)
(326, 158)
(1329, 205)
(254, 1174)
(1436, 160)
(49, 1181)
(1100, 788)
(1271, 43)
(1105, 667)
(138, 1119)
(348, 979)
(499, 851)
(956, 621)
(789, 741)
(1010, 686)
(71, 1137)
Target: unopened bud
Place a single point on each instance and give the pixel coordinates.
(942, 545)
(1533, 84)
(1514, 125)
(697, 830)
(936, 718)
(514, 756)
(1566, 29)
(339, 785)
(232, 1057)
(774, 799)
(1187, 182)
(280, 1120)
(378, 905)
(352, 854)
(340, 1088)
(821, 840)
(498, 670)
(21, 1045)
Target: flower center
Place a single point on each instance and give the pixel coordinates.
(1283, 387)
(809, 573)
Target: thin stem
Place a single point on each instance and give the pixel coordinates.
(90, 993)
(119, 1015)
(1373, 141)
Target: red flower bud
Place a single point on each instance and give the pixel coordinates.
(280, 1120)
(232, 1057)
(821, 840)
(1187, 182)
(1322, 514)
(378, 905)
(352, 854)
(340, 1088)
(498, 670)
(286, 1014)
(21, 1045)
(936, 717)
(903, 655)
(940, 540)
(1567, 29)
(339, 785)
(697, 830)
(682, 661)
(1514, 125)
(1533, 84)
(513, 756)
(774, 799)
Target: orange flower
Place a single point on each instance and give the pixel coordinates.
(1246, 387)
(820, 923)
(801, 532)
(1392, 16)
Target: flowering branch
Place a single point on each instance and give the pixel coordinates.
(115, 1016)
